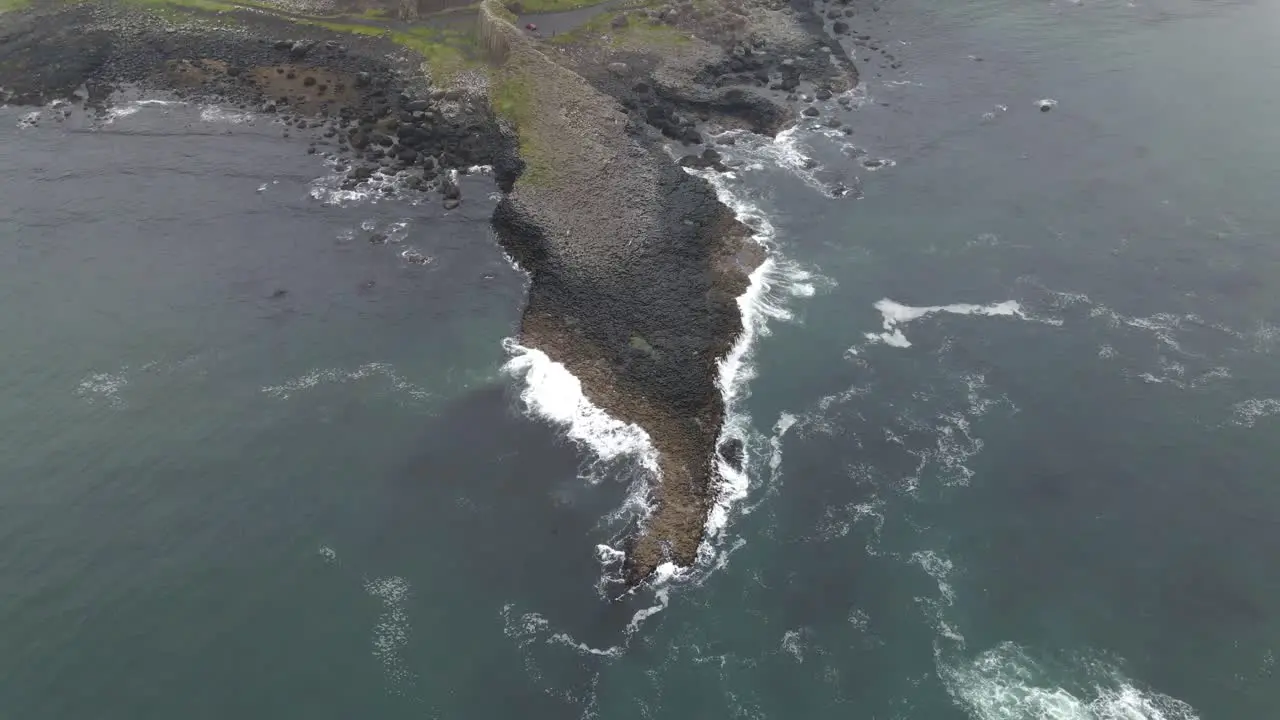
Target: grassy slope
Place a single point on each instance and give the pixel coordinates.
(546, 6)
(445, 52)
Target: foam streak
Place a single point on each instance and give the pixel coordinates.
(896, 314)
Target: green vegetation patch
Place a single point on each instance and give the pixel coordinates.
(639, 33)
(13, 5)
(548, 6)
(341, 27)
(446, 52)
(209, 6)
(639, 343)
(207, 12)
(512, 97)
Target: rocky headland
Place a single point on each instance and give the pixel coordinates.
(586, 115)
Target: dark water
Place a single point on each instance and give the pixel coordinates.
(219, 500)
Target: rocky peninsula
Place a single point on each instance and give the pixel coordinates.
(586, 114)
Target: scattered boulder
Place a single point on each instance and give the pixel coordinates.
(733, 453)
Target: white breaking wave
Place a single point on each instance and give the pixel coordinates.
(330, 189)
(132, 108)
(770, 286)
(215, 114)
(786, 151)
(1006, 683)
(552, 393)
(896, 314)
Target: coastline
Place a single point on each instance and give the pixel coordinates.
(636, 265)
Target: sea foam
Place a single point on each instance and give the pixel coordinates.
(896, 314)
(1006, 682)
(552, 393)
(771, 285)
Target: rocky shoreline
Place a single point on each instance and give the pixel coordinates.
(635, 265)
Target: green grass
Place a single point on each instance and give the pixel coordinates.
(546, 6)
(12, 5)
(511, 97)
(446, 52)
(340, 27)
(638, 33)
(209, 6)
(208, 12)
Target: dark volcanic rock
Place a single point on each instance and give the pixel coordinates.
(301, 49)
(41, 59)
(733, 453)
(641, 317)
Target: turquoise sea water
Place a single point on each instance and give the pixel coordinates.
(1013, 418)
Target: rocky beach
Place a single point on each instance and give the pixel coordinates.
(585, 118)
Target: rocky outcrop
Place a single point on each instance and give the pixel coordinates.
(635, 265)
(635, 269)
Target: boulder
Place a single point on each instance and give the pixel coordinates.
(301, 49)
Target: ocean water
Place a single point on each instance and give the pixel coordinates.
(1011, 408)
